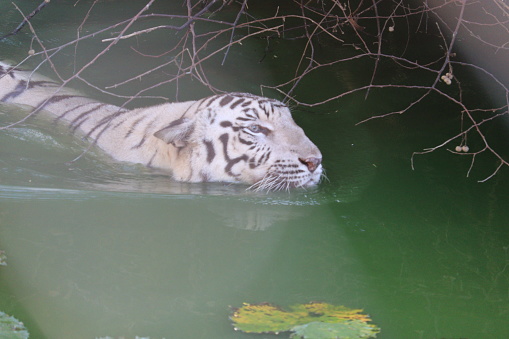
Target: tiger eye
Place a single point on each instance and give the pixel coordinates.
(255, 128)
(258, 129)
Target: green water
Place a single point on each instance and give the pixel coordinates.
(95, 248)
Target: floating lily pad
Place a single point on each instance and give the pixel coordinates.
(350, 329)
(262, 318)
(11, 328)
(312, 320)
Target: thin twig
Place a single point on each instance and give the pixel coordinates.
(26, 19)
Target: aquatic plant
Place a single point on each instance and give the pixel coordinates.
(11, 328)
(3, 259)
(315, 320)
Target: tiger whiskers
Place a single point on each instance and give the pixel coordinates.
(323, 176)
(272, 182)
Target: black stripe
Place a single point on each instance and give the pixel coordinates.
(246, 119)
(83, 117)
(149, 164)
(226, 123)
(212, 99)
(42, 83)
(103, 121)
(266, 157)
(230, 162)
(179, 121)
(145, 134)
(57, 98)
(254, 111)
(211, 153)
(83, 114)
(8, 70)
(61, 116)
(266, 110)
(236, 103)
(18, 90)
(131, 128)
(245, 142)
(253, 163)
(225, 101)
(205, 177)
(142, 141)
(74, 128)
(106, 120)
(211, 115)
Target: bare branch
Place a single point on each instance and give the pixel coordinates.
(206, 32)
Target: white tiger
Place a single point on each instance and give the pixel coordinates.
(234, 137)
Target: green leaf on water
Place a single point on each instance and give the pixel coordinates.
(350, 329)
(11, 328)
(262, 318)
(3, 259)
(306, 320)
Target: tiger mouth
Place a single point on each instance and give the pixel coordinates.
(311, 182)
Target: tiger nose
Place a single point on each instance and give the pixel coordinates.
(311, 163)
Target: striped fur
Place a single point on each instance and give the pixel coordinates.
(233, 137)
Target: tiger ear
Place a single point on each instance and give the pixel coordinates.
(177, 132)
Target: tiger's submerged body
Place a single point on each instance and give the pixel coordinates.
(234, 137)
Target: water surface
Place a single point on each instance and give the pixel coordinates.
(96, 248)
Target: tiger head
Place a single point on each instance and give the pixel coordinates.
(244, 138)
